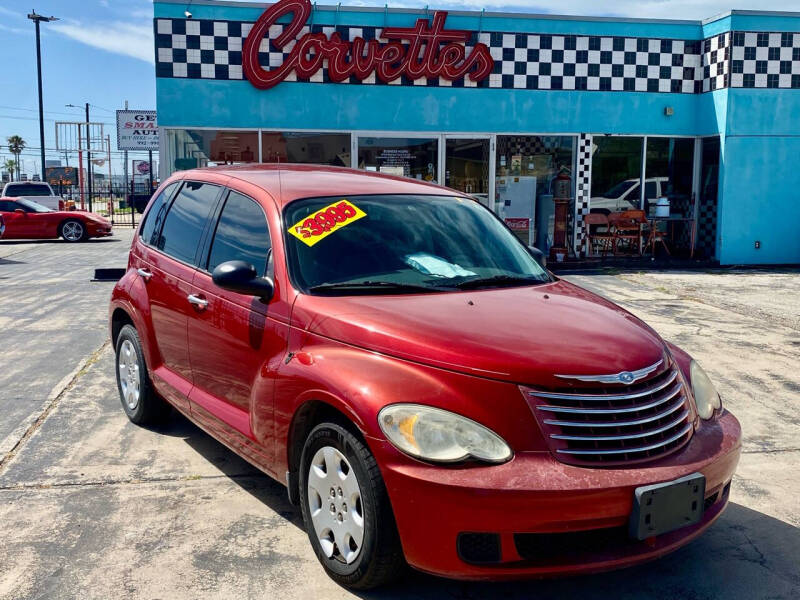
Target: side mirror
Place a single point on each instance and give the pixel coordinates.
(538, 256)
(241, 277)
(20, 211)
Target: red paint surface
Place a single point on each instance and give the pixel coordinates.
(444, 53)
(242, 370)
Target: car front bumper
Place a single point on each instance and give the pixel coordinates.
(544, 517)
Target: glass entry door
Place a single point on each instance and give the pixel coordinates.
(467, 166)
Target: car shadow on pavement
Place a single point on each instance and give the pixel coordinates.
(744, 555)
(250, 479)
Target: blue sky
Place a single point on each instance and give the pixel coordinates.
(101, 52)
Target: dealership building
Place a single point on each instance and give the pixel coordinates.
(545, 119)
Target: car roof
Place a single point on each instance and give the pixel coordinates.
(288, 182)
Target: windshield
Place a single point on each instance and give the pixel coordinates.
(619, 189)
(27, 189)
(33, 205)
(402, 244)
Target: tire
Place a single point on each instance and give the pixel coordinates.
(136, 392)
(73, 230)
(377, 558)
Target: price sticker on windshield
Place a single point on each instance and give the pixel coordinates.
(325, 221)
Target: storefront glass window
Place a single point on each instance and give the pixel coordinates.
(466, 164)
(407, 157)
(616, 173)
(706, 211)
(526, 170)
(668, 174)
(309, 148)
(192, 148)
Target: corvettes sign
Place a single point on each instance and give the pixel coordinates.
(425, 50)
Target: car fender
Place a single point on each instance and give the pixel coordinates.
(359, 383)
(130, 295)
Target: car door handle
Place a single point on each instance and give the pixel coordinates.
(144, 274)
(197, 301)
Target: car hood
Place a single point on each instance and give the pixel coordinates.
(522, 334)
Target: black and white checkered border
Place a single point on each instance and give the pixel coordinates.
(706, 240)
(765, 60)
(716, 54)
(213, 50)
(583, 190)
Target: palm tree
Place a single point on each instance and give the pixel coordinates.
(9, 166)
(16, 145)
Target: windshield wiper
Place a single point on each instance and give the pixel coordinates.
(497, 281)
(384, 286)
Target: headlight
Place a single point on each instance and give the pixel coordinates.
(705, 395)
(439, 435)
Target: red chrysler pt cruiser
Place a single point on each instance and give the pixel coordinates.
(426, 390)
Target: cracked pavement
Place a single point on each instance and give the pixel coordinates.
(93, 506)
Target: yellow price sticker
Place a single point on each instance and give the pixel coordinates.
(325, 221)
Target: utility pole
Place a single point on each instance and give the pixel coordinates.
(125, 173)
(89, 156)
(36, 20)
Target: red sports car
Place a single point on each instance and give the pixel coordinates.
(426, 390)
(27, 219)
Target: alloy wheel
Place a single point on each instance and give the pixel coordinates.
(128, 364)
(72, 231)
(334, 500)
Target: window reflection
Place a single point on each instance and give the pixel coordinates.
(616, 171)
(305, 148)
(406, 157)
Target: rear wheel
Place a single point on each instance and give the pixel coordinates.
(346, 510)
(136, 392)
(73, 230)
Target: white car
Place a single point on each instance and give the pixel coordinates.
(38, 191)
(625, 195)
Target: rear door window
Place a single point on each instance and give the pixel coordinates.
(186, 219)
(155, 216)
(242, 234)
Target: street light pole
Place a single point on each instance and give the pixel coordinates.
(36, 20)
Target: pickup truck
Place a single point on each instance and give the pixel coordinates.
(38, 191)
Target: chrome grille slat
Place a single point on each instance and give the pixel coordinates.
(628, 436)
(618, 422)
(613, 411)
(606, 397)
(642, 421)
(616, 451)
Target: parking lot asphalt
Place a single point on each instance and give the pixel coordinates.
(93, 506)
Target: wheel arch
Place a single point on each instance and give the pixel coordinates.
(310, 413)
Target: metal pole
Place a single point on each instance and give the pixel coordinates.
(41, 104)
(88, 157)
(80, 168)
(150, 175)
(125, 175)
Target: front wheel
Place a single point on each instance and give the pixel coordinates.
(73, 230)
(346, 510)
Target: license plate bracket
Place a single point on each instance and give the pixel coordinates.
(664, 507)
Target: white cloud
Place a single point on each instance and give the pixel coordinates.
(128, 39)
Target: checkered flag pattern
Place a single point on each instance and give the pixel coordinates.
(765, 60)
(211, 49)
(716, 54)
(706, 240)
(583, 190)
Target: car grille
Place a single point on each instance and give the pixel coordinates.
(616, 424)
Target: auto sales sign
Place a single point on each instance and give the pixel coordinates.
(137, 130)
